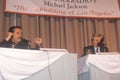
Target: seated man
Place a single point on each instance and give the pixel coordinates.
(97, 45)
(14, 39)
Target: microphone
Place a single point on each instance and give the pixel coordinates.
(41, 45)
(25, 40)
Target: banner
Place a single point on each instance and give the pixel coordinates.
(65, 8)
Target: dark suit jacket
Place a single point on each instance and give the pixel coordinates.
(23, 44)
(91, 50)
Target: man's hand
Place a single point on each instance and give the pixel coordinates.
(9, 36)
(38, 41)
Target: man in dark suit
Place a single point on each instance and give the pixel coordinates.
(14, 39)
(97, 45)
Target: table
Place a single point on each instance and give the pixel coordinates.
(105, 66)
(45, 64)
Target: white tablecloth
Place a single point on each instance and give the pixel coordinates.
(16, 64)
(106, 64)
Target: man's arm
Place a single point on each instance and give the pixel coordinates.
(4, 43)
